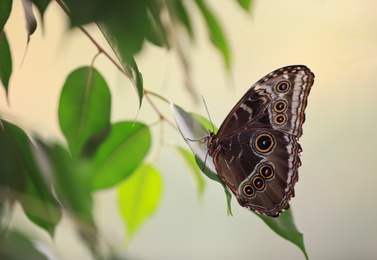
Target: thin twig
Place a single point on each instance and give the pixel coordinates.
(102, 50)
(153, 105)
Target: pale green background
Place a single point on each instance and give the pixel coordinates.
(335, 204)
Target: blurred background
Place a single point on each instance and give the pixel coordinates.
(335, 204)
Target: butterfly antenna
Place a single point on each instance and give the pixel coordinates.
(208, 114)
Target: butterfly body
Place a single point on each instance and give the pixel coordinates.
(256, 151)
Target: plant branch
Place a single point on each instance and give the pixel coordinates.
(102, 50)
(153, 105)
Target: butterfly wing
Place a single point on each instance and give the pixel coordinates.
(256, 150)
(283, 92)
(261, 179)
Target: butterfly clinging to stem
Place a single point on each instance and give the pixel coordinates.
(256, 151)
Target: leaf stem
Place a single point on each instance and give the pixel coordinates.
(153, 105)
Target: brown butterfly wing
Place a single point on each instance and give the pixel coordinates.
(241, 164)
(256, 151)
(256, 108)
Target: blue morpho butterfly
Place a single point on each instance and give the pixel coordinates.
(255, 152)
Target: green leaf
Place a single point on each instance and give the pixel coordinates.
(14, 175)
(5, 62)
(128, 63)
(285, 227)
(22, 176)
(179, 12)
(215, 31)
(5, 9)
(156, 33)
(15, 246)
(213, 176)
(38, 202)
(245, 4)
(205, 122)
(87, 11)
(5, 56)
(139, 197)
(42, 6)
(40, 206)
(72, 185)
(71, 182)
(120, 154)
(84, 107)
(124, 24)
(31, 22)
(195, 172)
(128, 26)
(196, 136)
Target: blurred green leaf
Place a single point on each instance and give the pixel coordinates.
(285, 227)
(5, 62)
(40, 206)
(31, 22)
(213, 176)
(42, 6)
(124, 23)
(84, 107)
(72, 184)
(5, 9)
(139, 197)
(38, 202)
(16, 246)
(215, 31)
(127, 26)
(156, 33)
(194, 170)
(179, 12)
(95, 10)
(22, 176)
(14, 175)
(71, 180)
(245, 4)
(129, 14)
(120, 154)
(128, 63)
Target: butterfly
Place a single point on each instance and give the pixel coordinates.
(256, 151)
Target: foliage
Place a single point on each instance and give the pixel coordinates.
(48, 179)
